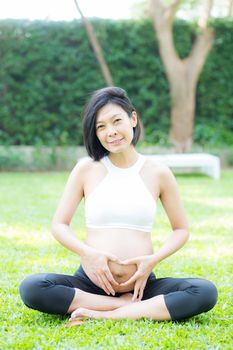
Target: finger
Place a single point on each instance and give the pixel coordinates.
(108, 284)
(108, 287)
(141, 291)
(132, 279)
(111, 278)
(135, 293)
(102, 285)
(114, 258)
(129, 261)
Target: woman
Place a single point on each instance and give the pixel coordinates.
(120, 188)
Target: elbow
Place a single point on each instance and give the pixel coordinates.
(53, 229)
(56, 227)
(184, 231)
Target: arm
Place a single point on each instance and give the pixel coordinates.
(170, 198)
(95, 263)
(67, 206)
(171, 201)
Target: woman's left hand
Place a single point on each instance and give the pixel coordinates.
(145, 265)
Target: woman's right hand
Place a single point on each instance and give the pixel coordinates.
(95, 265)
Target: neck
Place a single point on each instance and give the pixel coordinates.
(124, 159)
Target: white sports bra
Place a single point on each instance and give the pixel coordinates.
(121, 199)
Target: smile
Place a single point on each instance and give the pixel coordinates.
(115, 142)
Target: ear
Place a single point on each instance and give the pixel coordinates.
(134, 119)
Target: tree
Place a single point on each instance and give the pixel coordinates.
(182, 74)
(98, 52)
(96, 47)
(229, 7)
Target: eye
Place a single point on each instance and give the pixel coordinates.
(117, 120)
(99, 127)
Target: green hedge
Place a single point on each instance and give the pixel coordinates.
(48, 70)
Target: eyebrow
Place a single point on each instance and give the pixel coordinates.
(100, 121)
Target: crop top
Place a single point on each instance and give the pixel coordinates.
(121, 199)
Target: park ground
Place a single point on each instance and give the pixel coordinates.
(28, 201)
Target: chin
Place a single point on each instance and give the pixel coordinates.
(118, 150)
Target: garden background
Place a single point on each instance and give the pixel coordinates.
(48, 71)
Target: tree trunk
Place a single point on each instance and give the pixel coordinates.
(182, 111)
(96, 47)
(182, 74)
(229, 7)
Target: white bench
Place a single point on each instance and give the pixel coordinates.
(206, 163)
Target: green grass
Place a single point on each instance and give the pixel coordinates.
(28, 201)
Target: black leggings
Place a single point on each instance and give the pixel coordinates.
(53, 293)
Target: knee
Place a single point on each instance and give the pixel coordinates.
(209, 295)
(30, 289)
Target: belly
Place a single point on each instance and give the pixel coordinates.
(125, 244)
(122, 273)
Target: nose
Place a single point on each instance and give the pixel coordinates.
(111, 131)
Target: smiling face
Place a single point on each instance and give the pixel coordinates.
(114, 128)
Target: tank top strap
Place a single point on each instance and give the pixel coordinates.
(106, 163)
(139, 164)
(135, 168)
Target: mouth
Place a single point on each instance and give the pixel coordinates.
(115, 142)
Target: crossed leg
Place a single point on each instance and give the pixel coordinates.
(97, 302)
(164, 299)
(153, 308)
(90, 305)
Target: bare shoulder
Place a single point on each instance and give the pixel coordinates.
(73, 192)
(84, 165)
(161, 175)
(157, 168)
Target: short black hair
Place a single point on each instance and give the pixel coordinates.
(100, 98)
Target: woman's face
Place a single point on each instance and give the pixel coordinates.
(114, 128)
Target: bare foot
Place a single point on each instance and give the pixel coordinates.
(74, 322)
(82, 313)
(79, 315)
(77, 318)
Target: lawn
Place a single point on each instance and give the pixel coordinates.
(28, 201)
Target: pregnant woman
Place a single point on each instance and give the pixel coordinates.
(120, 188)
